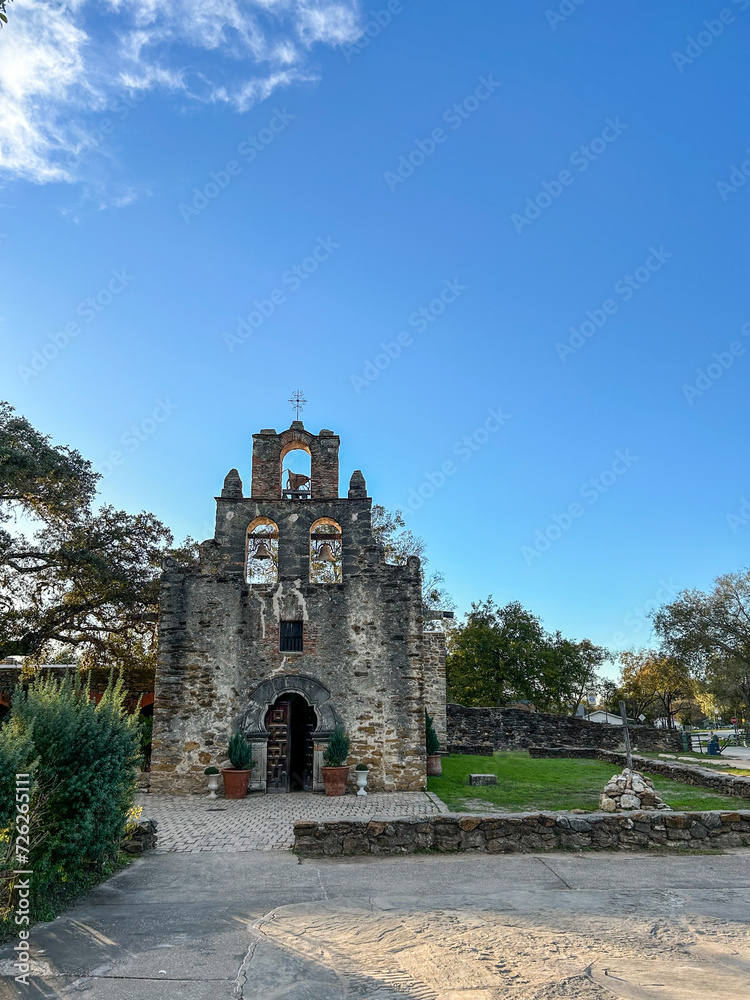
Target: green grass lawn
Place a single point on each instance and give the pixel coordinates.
(525, 784)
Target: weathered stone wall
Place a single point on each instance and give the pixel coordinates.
(434, 688)
(523, 832)
(514, 729)
(366, 658)
(555, 753)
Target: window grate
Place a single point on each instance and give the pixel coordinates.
(290, 637)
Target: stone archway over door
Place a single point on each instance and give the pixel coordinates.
(254, 722)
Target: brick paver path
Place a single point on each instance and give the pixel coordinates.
(264, 822)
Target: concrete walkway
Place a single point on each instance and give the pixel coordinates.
(263, 926)
(265, 822)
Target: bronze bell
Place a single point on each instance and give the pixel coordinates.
(325, 554)
(262, 551)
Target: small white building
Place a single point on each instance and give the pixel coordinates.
(599, 715)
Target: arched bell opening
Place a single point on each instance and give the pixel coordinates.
(296, 471)
(290, 723)
(326, 551)
(262, 551)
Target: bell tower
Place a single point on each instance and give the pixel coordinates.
(269, 451)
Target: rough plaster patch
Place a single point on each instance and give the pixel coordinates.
(260, 601)
(296, 590)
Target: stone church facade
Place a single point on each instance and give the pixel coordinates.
(292, 623)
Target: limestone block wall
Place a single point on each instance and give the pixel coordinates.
(433, 658)
(514, 729)
(523, 833)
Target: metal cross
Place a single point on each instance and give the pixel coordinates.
(298, 401)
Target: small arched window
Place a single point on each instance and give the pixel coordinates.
(326, 552)
(262, 560)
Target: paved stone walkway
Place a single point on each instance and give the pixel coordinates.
(265, 822)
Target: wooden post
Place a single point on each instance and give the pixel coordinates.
(628, 751)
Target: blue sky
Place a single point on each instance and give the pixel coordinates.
(176, 163)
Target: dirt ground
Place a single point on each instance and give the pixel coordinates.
(472, 953)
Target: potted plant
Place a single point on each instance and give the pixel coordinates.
(237, 777)
(361, 772)
(212, 773)
(335, 771)
(434, 761)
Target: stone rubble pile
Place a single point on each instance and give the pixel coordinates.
(630, 790)
(142, 837)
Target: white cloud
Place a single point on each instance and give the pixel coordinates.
(62, 60)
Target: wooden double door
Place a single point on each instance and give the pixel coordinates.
(290, 722)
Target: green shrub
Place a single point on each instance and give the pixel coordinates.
(431, 740)
(212, 770)
(240, 752)
(338, 749)
(83, 759)
(361, 767)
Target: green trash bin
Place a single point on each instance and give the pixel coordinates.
(685, 741)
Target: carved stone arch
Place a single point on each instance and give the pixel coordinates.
(253, 721)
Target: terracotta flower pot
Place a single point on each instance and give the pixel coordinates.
(335, 779)
(235, 782)
(434, 765)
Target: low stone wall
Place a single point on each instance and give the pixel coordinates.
(473, 749)
(688, 774)
(523, 833)
(586, 753)
(514, 729)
